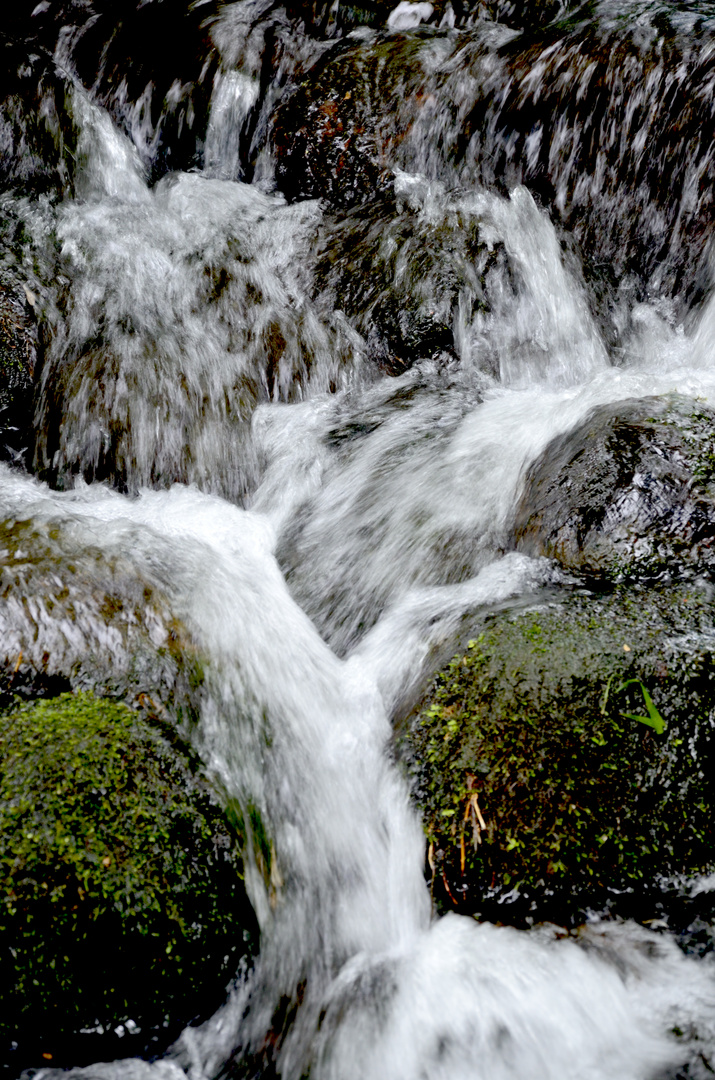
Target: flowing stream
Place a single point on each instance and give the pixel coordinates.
(211, 408)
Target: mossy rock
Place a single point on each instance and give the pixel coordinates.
(74, 616)
(123, 908)
(564, 761)
(629, 494)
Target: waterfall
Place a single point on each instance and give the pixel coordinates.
(307, 422)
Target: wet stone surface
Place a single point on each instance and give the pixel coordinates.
(152, 378)
(414, 273)
(37, 133)
(492, 107)
(563, 761)
(629, 494)
(83, 620)
(18, 359)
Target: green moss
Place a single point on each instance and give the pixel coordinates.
(119, 876)
(538, 762)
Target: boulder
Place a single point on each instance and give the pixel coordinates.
(563, 761)
(629, 494)
(371, 530)
(152, 379)
(417, 273)
(492, 108)
(123, 914)
(73, 617)
(37, 133)
(335, 136)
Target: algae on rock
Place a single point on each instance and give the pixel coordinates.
(540, 779)
(122, 896)
(81, 618)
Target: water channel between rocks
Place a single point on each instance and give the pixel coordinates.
(322, 503)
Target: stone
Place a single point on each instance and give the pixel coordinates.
(628, 494)
(18, 359)
(493, 108)
(563, 760)
(74, 619)
(413, 273)
(123, 914)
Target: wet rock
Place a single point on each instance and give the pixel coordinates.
(122, 909)
(18, 358)
(152, 379)
(37, 133)
(519, 15)
(546, 109)
(72, 617)
(428, 273)
(161, 99)
(169, 104)
(630, 493)
(333, 137)
(563, 760)
(415, 273)
(376, 504)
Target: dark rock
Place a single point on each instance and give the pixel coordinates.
(28, 279)
(18, 359)
(334, 138)
(374, 498)
(161, 99)
(491, 108)
(37, 132)
(412, 272)
(520, 15)
(122, 914)
(150, 380)
(630, 493)
(323, 18)
(564, 761)
(72, 617)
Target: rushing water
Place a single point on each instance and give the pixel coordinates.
(342, 500)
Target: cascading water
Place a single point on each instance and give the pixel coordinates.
(351, 450)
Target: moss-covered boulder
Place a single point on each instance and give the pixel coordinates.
(565, 759)
(123, 914)
(415, 272)
(629, 494)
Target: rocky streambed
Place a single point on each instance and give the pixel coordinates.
(357, 518)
